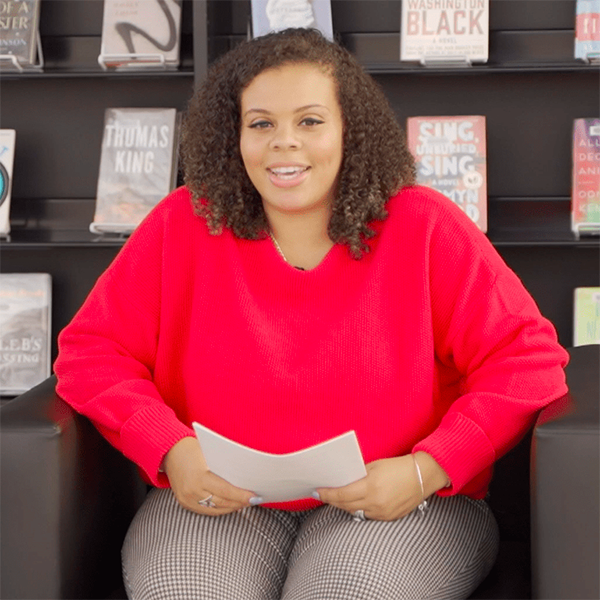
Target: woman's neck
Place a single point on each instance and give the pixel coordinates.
(302, 239)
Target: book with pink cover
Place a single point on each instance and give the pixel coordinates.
(450, 154)
(585, 195)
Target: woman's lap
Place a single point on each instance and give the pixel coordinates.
(323, 554)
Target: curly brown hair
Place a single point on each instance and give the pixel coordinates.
(376, 161)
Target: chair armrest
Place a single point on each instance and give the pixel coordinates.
(565, 486)
(67, 500)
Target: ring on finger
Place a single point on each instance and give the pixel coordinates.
(207, 502)
(359, 515)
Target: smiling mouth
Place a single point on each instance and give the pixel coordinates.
(287, 173)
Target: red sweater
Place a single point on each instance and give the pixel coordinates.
(430, 342)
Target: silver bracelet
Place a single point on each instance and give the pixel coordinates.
(423, 506)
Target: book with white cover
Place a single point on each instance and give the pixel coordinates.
(444, 30)
(275, 15)
(586, 316)
(283, 477)
(25, 328)
(137, 166)
(7, 156)
(141, 34)
(19, 24)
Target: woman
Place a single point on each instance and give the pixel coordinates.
(299, 286)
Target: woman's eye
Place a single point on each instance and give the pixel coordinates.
(259, 124)
(311, 121)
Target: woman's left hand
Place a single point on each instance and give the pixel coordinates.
(391, 488)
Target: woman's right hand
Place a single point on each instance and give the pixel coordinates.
(191, 481)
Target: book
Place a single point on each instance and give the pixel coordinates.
(19, 24)
(444, 30)
(450, 155)
(140, 34)
(25, 328)
(585, 194)
(283, 477)
(138, 166)
(275, 15)
(586, 316)
(587, 30)
(7, 156)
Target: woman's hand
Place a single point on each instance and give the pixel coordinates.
(191, 481)
(391, 488)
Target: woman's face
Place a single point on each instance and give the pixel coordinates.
(291, 139)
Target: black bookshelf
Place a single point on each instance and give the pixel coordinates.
(530, 91)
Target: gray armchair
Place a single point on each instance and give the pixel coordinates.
(68, 497)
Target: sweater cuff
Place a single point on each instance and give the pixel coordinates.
(461, 448)
(148, 435)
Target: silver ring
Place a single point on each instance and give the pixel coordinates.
(207, 502)
(359, 515)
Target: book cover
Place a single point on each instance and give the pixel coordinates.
(444, 30)
(148, 27)
(137, 166)
(450, 155)
(586, 316)
(25, 329)
(19, 22)
(7, 156)
(587, 30)
(275, 15)
(585, 195)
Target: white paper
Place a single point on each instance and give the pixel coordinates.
(282, 477)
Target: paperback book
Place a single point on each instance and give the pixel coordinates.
(587, 30)
(25, 319)
(140, 34)
(444, 31)
(19, 23)
(585, 195)
(7, 156)
(586, 316)
(275, 15)
(450, 155)
(138, 166)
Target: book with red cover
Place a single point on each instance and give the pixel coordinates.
(585, 196)
(450, 154)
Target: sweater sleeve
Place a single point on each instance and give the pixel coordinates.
(489, 329)
(108, 351)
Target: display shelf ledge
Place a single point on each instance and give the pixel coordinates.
(77, 56)
(513, 221)
(526, 51)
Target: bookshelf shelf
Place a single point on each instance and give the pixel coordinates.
(513, 222)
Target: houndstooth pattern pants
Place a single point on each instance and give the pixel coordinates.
(319, 554)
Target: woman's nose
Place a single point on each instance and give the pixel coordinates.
(284, 138)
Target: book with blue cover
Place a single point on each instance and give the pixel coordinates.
(275, 15)
(7, 155)
(587, 30)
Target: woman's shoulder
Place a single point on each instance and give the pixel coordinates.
(421, 202)
(175, 214)
(431, 218)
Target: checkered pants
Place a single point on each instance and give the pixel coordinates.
(320, 554)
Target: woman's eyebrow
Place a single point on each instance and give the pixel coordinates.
(264, 111)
